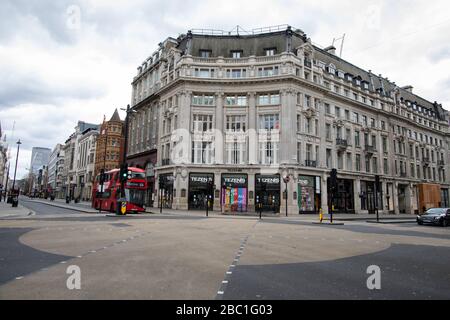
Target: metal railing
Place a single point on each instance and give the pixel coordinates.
(310, 163)
(341, 142)
(238, 30)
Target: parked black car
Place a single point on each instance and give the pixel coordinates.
(439, 216)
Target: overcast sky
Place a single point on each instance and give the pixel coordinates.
(64, 61)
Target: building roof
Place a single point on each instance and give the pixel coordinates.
(115, 116)
(285, 39)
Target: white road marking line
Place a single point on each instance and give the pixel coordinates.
(18, 278)
(62, 262)
(229, 272)
(92, 251)
(79, 256)
(225, 281)
(219, 292)
(232, 266)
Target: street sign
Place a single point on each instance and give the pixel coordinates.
(123, 209)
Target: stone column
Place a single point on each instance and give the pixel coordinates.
(219, 145)
(251, 188)
(409, 199)
(252, 139)
(218, 184)
(185, 110)
(288, 117)
(395, 197)
(324, 193)
(357, 199)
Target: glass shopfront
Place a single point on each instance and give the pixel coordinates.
(150, 174)
(267, 189)
(308, 194)
(166, 190)
(367, 196)
(234, 192)
(343, 199)
(201, 188)
(444, 198)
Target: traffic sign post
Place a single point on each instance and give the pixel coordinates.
(286, 180)
(121, 209)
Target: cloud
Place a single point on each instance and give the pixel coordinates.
(69, 60)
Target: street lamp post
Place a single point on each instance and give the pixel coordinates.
(7, 178)
(128, 110)
(102, 172)
(122, 199)
(15, 169)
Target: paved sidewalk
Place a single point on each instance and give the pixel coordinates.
(81, 207)
(7, 211)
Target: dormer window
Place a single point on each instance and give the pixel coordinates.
(341, 74)
(331, 69)
(358, 82)
(366, 85)
(270, 51)
(236, 54)
(205, 53)
(348, 77)
(321, 65)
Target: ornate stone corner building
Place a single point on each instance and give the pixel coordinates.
(226, 117)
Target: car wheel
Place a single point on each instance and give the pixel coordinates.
(419, 223)
(444, 222)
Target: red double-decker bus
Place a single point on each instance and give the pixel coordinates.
(135, 190)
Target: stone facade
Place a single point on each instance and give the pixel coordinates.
(109, 155)
(56, 170)
(247, 111)
(79, 157)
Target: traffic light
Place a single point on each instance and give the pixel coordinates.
(123, 172)
(333, 179)
(102, 176)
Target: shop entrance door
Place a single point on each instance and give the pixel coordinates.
(267, 189)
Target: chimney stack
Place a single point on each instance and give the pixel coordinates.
(408, 88)
(331, 49)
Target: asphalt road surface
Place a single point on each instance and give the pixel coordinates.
(188, 256)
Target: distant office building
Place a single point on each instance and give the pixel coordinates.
(39, 158)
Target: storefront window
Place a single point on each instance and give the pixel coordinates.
(234, 192)
(343, 198)
(444, 198)
(308, 194)
(166, 190)
(267, 189)
(201, 189)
